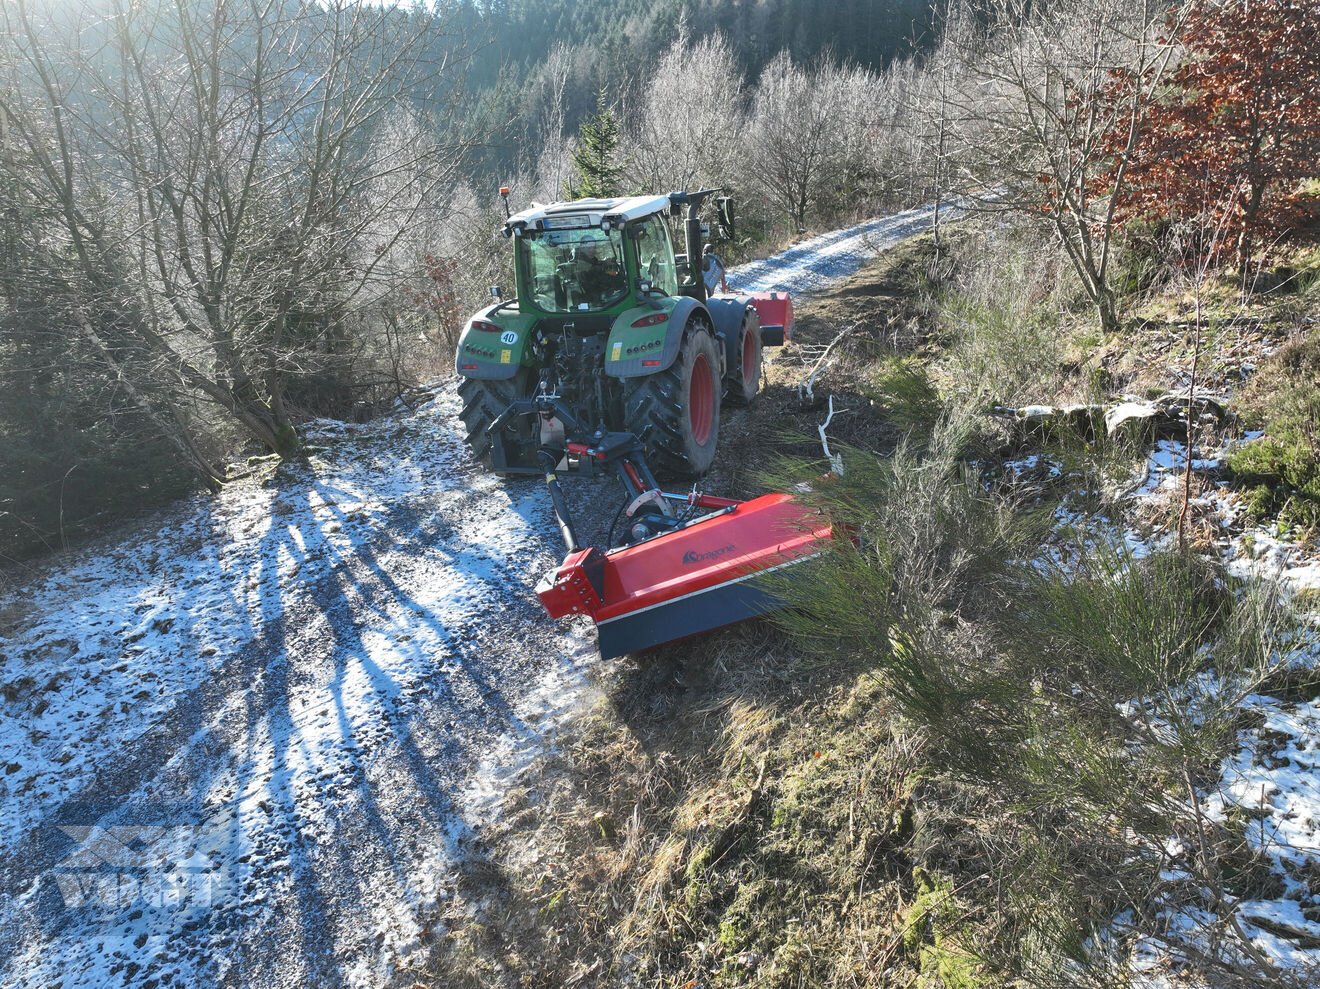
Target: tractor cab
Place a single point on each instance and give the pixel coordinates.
(586, 255)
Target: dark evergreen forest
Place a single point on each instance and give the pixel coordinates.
(611, 44)
(622, 32)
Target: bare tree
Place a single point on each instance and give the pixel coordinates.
(856, 179)
(929, 108)
(689, 119)
(901, 149)
(232, 180)
(1033, 110)
(550, 94)
(789, 137)
(808, 133)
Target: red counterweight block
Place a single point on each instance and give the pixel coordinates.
(775, 310)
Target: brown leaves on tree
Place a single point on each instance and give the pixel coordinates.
(1228, 145)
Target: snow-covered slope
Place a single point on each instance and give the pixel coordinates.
(246, 748)
(1266, 788)
(1268, 780)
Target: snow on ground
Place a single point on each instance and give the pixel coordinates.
(815, 264)
(1248, 550)
(1268, 783)
(251, 746)
(1259, 552)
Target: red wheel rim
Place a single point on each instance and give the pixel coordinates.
(749, 359)
(701, 400)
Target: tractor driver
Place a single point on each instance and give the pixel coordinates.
(598, 272)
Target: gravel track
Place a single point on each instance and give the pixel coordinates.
(316, 763)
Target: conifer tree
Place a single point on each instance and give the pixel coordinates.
(595, 159)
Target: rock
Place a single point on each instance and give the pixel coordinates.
(1037, 412)
(1134, 422)
(1036, 420)
(1174, 405)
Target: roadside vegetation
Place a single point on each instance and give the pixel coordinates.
(1281, 467)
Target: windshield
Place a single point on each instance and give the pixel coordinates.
(573, 270)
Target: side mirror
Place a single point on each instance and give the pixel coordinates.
(724, 206)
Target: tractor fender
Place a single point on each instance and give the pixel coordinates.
(493, 343)
(634, 351)
(727, 312)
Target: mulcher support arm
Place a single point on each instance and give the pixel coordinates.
(621, 450)
(684, 573)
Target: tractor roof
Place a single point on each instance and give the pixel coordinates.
(586, 213)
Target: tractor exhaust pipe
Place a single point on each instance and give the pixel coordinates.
(692, 234)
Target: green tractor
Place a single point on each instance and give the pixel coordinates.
(625, 333)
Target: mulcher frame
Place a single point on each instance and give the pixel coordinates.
(694, 561)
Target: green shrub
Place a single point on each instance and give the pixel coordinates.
(1063, 700)
(903, 389)
(1281, 469)
(1006, 352)
(1004, 315)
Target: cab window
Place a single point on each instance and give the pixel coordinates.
(655, 255)
(573, 270)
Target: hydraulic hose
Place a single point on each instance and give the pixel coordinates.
(549, 459)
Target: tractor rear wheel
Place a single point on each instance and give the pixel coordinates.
(677, 412)
(744, 380)
(483, 402)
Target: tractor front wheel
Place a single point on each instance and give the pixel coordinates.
(483, 402)
(677, 412)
